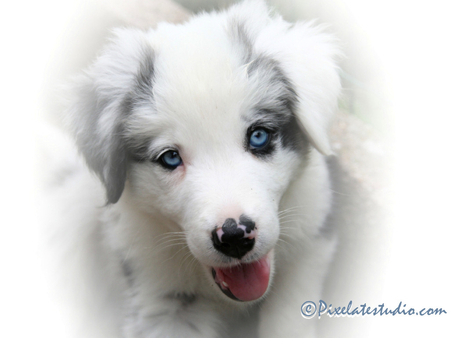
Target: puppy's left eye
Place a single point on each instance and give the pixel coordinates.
(259, 138)
(170, 159)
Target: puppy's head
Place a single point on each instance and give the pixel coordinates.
(207, 123)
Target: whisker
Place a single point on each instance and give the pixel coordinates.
(171, 245)
(171, 240)
(191, 264)
(339, 193)
(176, 253)
(284, 244)
(282, 212)
(166, 235)
(291, 216)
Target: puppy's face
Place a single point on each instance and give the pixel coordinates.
(213, 148)
(207, 124)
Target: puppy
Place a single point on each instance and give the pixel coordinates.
(208, 139)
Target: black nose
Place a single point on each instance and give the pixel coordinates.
(233, 239)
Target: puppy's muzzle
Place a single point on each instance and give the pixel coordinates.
(235, 239)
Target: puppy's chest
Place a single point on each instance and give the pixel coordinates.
(192, 314)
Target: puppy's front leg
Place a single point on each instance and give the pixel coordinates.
(299, 278)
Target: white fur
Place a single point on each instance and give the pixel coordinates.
(202, 95)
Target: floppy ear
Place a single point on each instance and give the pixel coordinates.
(101, 103)
(308, 57)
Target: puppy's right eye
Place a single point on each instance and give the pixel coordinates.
(170, 159)
(259, 138)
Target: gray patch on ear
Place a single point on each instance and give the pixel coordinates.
(141, 95)
(108, 155)
(292, 136)
(116, 168)
(105, 156)
(142, 92)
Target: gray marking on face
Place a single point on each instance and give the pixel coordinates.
(277, 109)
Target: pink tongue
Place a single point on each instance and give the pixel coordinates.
(247, 281)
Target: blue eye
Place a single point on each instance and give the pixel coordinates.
(170, 159)
(259, 138)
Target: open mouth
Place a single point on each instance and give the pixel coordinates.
(244, 282)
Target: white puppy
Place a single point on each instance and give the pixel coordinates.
(208, 138)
